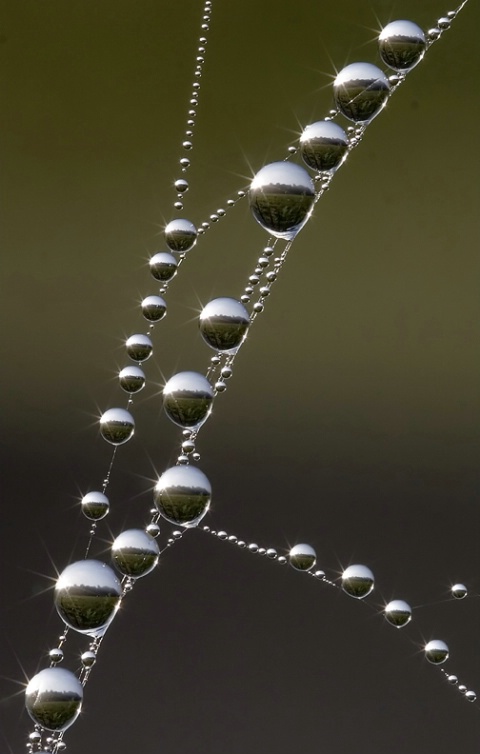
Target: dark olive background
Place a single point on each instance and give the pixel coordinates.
(352, 418)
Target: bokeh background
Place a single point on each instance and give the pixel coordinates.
(352, 419)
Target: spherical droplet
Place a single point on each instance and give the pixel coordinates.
(470, 696)
(357, 581)
(459, 591)
(436, 652)
(453, 679)
(139, 347)
(88, 659)
(281, 198)
(182, 495)
(398, 613)
(181, 185)
(187, 399)
(154, 308)
(402, 45)
(132, 379)
(56, 655)
(117, 426)
(323, 145)
(302, 557)
(95, 505)
(135, 553)
(163, 266)
(224, 323)
(462, 688)
(360, 91)
(87, 595)
(180, 235)
(53, 698)
(153, 529)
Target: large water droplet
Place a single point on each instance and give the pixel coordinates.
(163, 266)
(323, 145)
(302, 557)
(182, 495)
(53, 698)
(398, 613)
(180, 235)
(117, 426)
(436, 652)
(360, 91)
(95, 505)
(402, 45)
(187, 399)
(281, 198)
(87, 595)
(224, 323)
(135, 553)
(357, 581)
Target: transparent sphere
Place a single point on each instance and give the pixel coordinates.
(132, 379)
(182, 495)
(56, 655)
(436, 652)
(139, 347)
(181, 185)
(281, 198)
(453, 679)
(187, 399)
(153, 529)
(224, 323)
(163, 266)
(323, 145)
(87, 595)
(398, 613)
(180, 235)
(358, 581)
(88, 659)
(402, 45)
(470, 696)
(302, 557)
(95, 505)
(117, 426)
(154, 308)
(459, 591)
(53, 698)
(360, 91)
(135, 553)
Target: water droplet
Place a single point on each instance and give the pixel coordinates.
(132, 379)
(135, 553)
(182, 495)
(139, 347)
(459, 591)
(117, 426)
(402, 45)
(56, 655)
(357, 581)
(187, 399)
(398, 613)
(470, 696)
(163, 266)
(323, 145)
(95, 506)
(360, 91)
(281, 198)
(87, 595)
(302, 557)
(53, 698)
(153, 529)
(154, 308)
(223, 324)
(436, 652)
(88, 659)
(180, 235)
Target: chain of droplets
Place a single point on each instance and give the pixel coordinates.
(154, 310)
(302, 558)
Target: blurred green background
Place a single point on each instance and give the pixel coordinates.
(351, 421)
